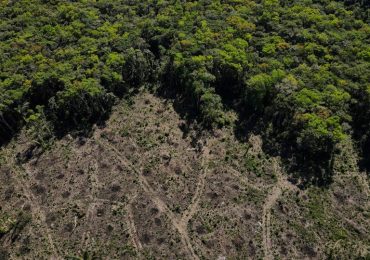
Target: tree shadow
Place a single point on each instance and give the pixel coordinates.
(79, 124)
(182, 103)
(360, 112)
(364, 162)
(9, 126)
(363, 142)
(303, 170)
(60, 130)
(303, 167)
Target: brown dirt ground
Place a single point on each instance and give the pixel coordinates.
(140, 188)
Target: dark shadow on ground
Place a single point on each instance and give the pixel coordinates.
(303, 170)
(364, 150)
(10, 125)
(183, 104)
(360, 112)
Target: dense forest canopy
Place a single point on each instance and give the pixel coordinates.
(300, 68)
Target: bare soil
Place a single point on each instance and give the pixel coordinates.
(141, 188)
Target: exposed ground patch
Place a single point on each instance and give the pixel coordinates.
(141, 188)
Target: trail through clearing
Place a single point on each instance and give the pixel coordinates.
(38, 214)
(132, 229)
(272, 197)
(193, 207)
(179, 224)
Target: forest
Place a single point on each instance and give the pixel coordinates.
(297, 72)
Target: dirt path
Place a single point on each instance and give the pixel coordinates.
(132, 229)
(85, 238)
(179, 224)
(272, 197)
(193, 207)
(266, 221)
(38, 214)
(93, 178)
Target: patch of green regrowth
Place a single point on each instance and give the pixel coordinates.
(252, 164)
(326, 221)
(6, 223)
(129, 250)
(39, 129)
(249, 195)
(16, 222)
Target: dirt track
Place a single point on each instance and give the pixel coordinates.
(179, 224)
(158, 192)
(281, 185)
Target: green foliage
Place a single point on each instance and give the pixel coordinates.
(211, 109)
(259, 89)
(39, 129)
(318, 135)
(80, 104)
(6, 223)
(300, 66)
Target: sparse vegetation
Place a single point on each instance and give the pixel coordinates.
(91, 191)
(170, 129)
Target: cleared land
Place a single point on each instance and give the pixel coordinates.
(141, 187)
